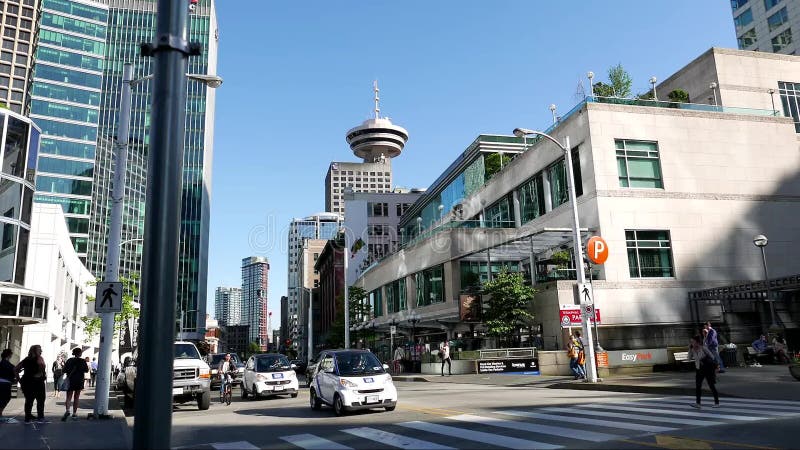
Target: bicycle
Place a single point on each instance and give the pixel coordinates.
(227, 392)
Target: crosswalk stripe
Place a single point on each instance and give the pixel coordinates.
(394, 440)
(748, 408)
(716, 411)
(494, 440)
(240, 445)
(537, 428)
(588, 421)
(663, 409)
(311, 442)
(765, 402)
(639, 417)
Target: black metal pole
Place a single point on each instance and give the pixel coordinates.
(159, 292)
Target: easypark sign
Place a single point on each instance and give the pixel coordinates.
(644, 357)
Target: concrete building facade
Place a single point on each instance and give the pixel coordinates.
(678, 190)
(228, 305)
(18, 30)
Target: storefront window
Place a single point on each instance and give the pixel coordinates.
(430, 286)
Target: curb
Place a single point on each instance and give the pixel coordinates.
(409, 378)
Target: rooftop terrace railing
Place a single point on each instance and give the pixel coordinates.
(682, 106)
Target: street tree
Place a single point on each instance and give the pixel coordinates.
(360, 311)
(508, 305)
(130, 291)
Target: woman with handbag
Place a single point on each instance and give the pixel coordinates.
(576, 355)
(705, 364)
(75, 368)
(32, 383)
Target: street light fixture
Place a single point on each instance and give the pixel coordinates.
(771, 93)
(713, 87)
(591, 371)
(653, 83)
(553, 112)
(761, 241)
(590, 76)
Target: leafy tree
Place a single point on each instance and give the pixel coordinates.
(620, 80)
(602, 90)
(359, 311)
(253, 348)
(494, 162)
(679, 96)
(509, 300)
(130, 291)
(646, 96)
(204, 348)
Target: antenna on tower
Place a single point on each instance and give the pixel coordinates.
(377, 100)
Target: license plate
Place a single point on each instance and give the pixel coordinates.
(277, 376)
(278, 388)
(369, 380)
(177, 391)
(372, 399)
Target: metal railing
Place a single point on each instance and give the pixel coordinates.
(507, 353)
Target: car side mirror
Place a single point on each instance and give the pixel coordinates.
(294, 366)
(329, 370)
(385, 367)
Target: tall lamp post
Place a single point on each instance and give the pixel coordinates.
(160, 255)
(761, 241)
(591, 370)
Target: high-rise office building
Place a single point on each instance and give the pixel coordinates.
(65, 103)
(767, 25)
(375, 141)
(18, 20)
(228, 305)
(255, 282)
(319, 226)
(129, 24)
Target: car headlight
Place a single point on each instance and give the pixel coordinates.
(213, 371)
(260, 377)
(347, 383)
(205, 373)
(388, 378)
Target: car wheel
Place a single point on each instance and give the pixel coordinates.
(338, 405)
(204, 401)
(244, 392)
(254, 395)
(294, 395)
(390, 408)
(316, 404)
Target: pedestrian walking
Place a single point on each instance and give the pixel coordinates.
(399, 356)
(76, 369)
(87, 377)
(576, 355)
(58, 371)
(705, 369)
(444, 352)
(8, 377)
(93, 372)
(711, 342)
(32, 383)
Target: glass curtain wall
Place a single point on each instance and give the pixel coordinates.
(430, 286)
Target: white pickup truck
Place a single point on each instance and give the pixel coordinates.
(191, 377)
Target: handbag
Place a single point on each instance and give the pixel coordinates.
(63, 383)
(581, 357)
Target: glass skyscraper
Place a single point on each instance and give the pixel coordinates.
(65, 103)
(255, 284)
(131, 22)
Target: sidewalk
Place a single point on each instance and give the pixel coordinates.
(767, 382)
(83, 433)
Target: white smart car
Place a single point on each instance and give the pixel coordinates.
(350, 380)
(269, 374)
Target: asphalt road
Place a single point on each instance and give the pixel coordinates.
(445, 415)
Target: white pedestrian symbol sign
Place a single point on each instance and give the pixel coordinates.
(108, 298)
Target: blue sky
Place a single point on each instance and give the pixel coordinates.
(298, 75)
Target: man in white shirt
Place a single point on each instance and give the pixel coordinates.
(444, 351)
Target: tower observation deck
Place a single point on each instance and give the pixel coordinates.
(377, 138)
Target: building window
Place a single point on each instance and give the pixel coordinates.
(557, 175)
(430, 286)
(743, 19)
(782, 40)
(638, 164)
(769, 4)
(378, 209)
(776, 20)
(736, 4)
(531, 199)
(377, 302)
(500, 215)
(747, 38)
(790, 98)
(649, 253)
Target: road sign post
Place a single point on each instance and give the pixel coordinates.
(108, 297)
(597, 253)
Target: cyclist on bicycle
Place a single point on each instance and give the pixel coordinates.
(226, 367)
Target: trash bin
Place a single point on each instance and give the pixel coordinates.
(729, 357)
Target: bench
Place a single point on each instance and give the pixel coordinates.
(682, 359)
(754, 358)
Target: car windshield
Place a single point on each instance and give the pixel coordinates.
(272, 363)
(358, 363)
(186, 351)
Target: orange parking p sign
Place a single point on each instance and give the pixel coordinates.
(597, 250)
